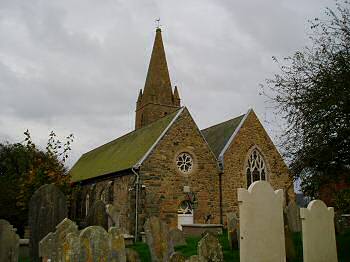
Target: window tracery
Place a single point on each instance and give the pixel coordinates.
(256, 168)
(184, 162)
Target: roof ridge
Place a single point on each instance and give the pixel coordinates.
(223, 122)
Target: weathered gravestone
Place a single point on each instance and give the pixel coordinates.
(177, 237)
(209, 249)
(94, 244)
(158, 239)
(113, 215)
(9, 242)
(318, 233)
(232, 230)
(261, 223)
(132, 255)
(51, 247)
(71, 247)
(116, 245)
(177, 257)
(97, 215)
(47, 207)
(289, 244)
(293, 217)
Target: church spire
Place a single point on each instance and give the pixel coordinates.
(158, 86)
(157, 98)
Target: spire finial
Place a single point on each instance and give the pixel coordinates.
(158, 25)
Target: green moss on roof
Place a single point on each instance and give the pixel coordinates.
(218, 135)
(121, 153)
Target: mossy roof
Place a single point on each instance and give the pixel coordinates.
(218, 135)
(120, 154)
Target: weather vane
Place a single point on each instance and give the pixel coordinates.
(158, 23)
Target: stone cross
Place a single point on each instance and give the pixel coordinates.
(319, 244)
(261, 223)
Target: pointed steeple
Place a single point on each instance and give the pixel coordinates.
(157, 98)
(158, 86)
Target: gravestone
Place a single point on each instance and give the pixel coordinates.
(289, 243)
(97, 215)
(318, 233)
(261, 223)
(47, 207)
(158, 239)
(94, 244)
(132, 255)
(177, 237)
(52, 245)
(116, 245)
(9, 242)
(293, 217)
(71, 248)
(209, 249)
(113, 215)
(177, 257)
(232, 230)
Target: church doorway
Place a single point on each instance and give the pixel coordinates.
(184, 214)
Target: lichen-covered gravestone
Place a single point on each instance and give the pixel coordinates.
(158, 239)
(318, 233)
(293, 217)
(132, 255)
(177, 257)
(94, 244)
(116, 245)
(9, 242)
(261, 223)
(232, 230)
(51, 247)
(97, 215)
(71, 248)
(177, 237)
(47, 208)
(209, 249)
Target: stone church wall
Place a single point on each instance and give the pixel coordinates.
(164, 183)
(250, 135)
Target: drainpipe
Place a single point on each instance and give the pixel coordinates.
(221, 171)
(137, 185)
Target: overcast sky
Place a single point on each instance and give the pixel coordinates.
(76, 66)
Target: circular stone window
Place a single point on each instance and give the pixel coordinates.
(184, 163)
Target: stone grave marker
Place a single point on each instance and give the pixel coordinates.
(232, 230)
(158, 239)
(116, 245)
(9, 242)
(51, 246)
(94, 244)
(47, 207)
(177, 257)
(261, 223)
(177, 237)
(97, 215)
(113, 215)
(209, 249)
(289, 244)
(71, 248)
(293, 217)
(319, 244)
(132, 255)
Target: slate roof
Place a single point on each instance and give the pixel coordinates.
(122, 153)
(218, 135)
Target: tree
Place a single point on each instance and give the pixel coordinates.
(312, 93)
(24, 168)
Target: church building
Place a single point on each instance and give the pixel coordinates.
(168, 167)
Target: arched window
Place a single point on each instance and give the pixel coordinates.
(256, 168)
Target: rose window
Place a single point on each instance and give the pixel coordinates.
(184, 162)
